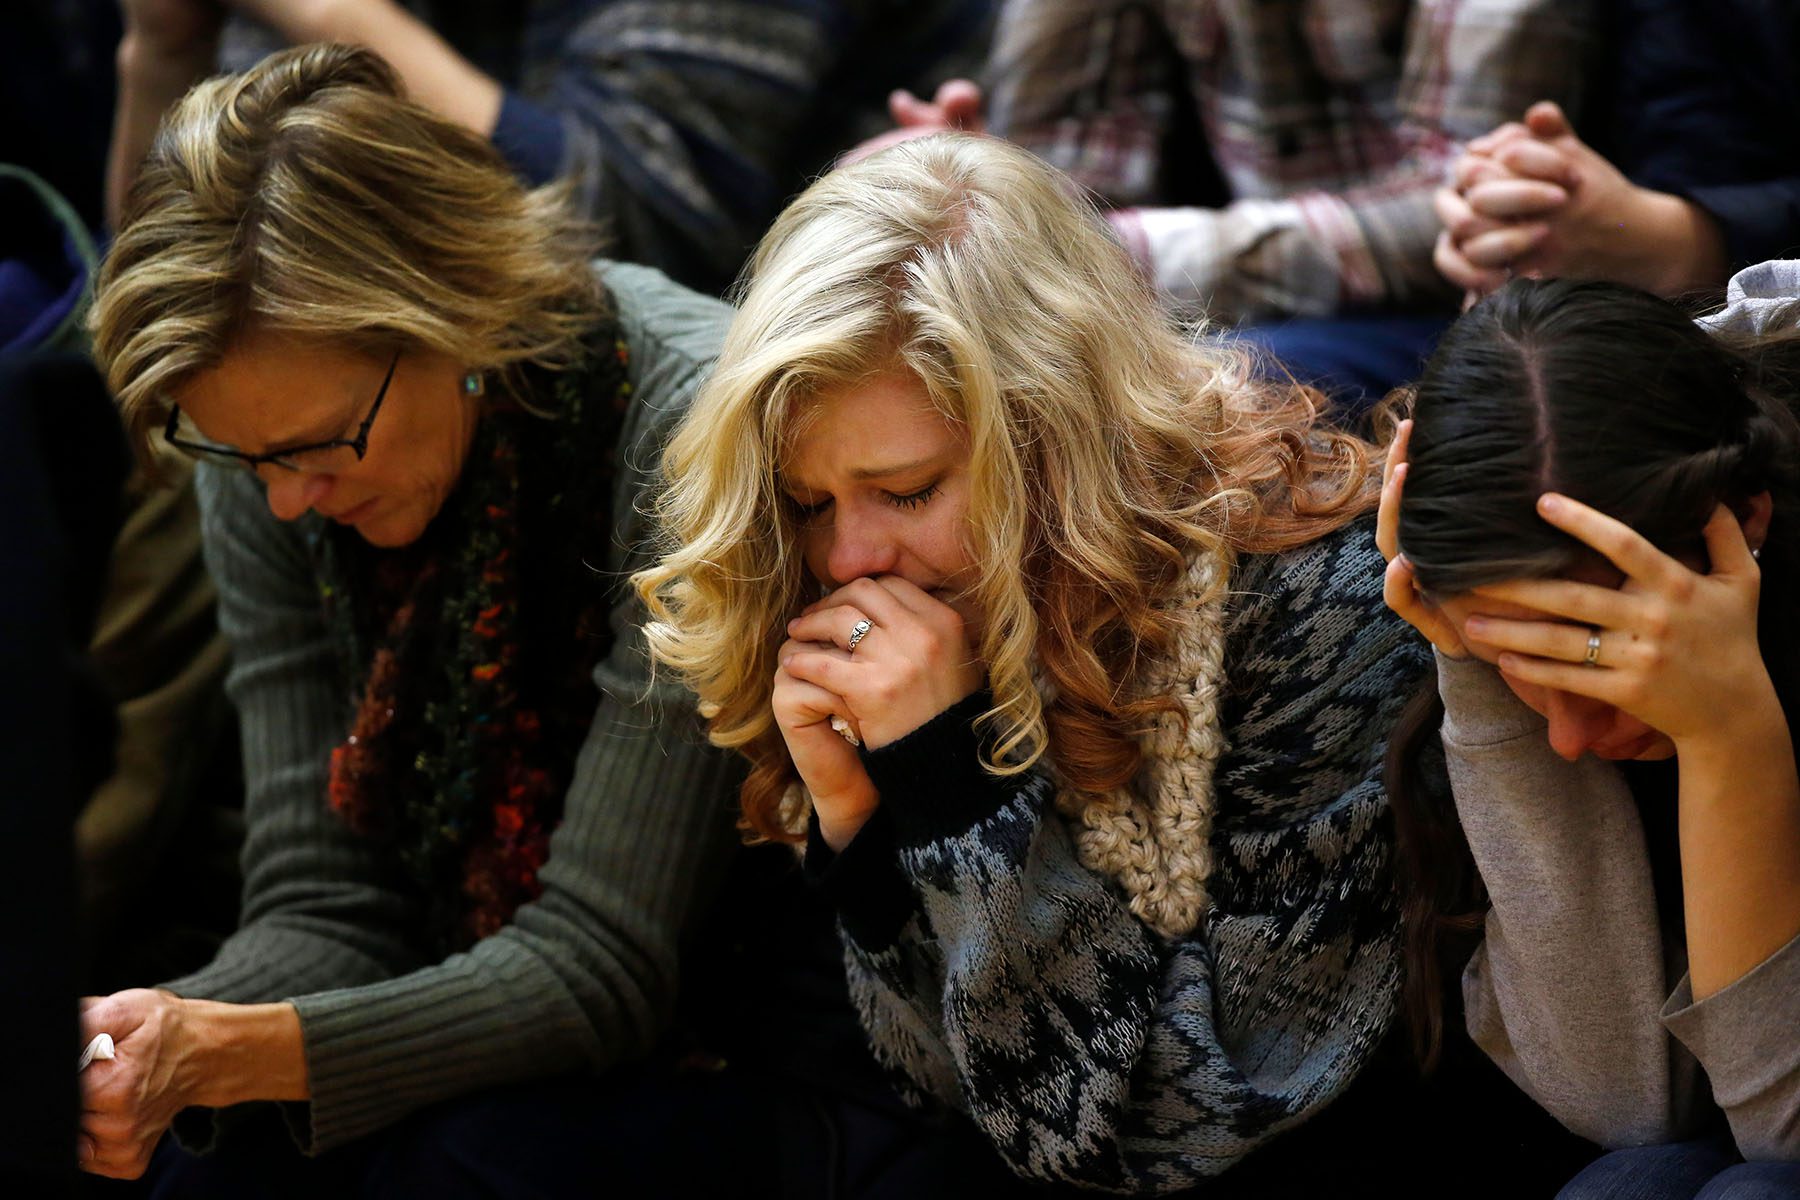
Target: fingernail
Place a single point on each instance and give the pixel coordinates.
(1475, 625)
(1550, 502)
(1400, 470)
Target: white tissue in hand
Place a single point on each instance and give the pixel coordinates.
(100, 1047)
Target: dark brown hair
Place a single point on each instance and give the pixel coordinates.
(1615, 398)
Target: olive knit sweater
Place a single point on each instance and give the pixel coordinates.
(583, 976)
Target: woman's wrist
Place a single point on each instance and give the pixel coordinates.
(301, 21)
(841, 818)
(1746, 734)
(243, 1052)
(433, 72)
(1683, 250)
(148, 64)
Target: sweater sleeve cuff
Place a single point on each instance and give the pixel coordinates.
(932, 780)
(1479, 709)
(1740, 1033)
(530, 137)
(863, 881)
(1756, 220)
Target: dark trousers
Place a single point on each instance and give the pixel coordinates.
(1354, 360)
(636, 1133)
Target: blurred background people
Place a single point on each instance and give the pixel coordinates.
(684, 127)
(1272, 166)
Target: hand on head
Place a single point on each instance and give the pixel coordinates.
(1673, 646)
(1400, 588)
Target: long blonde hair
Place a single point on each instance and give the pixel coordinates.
(306, 195)
(1107, 448)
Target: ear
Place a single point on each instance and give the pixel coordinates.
(1754, 514)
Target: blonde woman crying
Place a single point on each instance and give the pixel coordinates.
(1057, 640)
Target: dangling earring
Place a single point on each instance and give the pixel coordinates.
(473, 385)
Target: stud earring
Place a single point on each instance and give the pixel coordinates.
(473, 385)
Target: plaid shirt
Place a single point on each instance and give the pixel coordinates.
(1329, 125)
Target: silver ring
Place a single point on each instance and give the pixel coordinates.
(858, 632)
(1593, 650)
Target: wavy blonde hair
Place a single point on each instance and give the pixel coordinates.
(1107, 449)
(306, 195)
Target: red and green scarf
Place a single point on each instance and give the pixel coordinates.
(472, 651)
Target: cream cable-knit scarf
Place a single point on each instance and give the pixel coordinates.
(1155, 838)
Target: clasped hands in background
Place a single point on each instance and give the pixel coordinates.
(1532, 198)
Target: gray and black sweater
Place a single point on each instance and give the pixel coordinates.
(1005, 979)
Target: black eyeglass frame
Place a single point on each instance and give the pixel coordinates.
(359, 445)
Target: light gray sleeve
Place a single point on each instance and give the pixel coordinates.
(1564, 992)
(1747, 1036)
(1756, 297)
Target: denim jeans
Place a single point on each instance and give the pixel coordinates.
(1709, 1170)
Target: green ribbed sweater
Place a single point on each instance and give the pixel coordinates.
(585, 975)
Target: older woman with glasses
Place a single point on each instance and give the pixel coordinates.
(464, 866)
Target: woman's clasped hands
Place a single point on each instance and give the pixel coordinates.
(912, 661)
(171, 1052)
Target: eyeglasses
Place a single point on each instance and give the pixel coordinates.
(319, 458)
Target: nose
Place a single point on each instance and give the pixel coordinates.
(1576, 722)
(859, 546)
(291, 493)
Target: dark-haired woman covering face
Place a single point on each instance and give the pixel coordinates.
(421, 415)
(1592, 516)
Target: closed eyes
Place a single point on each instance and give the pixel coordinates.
(908, 501)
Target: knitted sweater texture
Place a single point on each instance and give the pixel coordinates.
(1000, 975)
(585, 975)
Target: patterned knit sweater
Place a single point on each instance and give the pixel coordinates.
(1001, 976)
